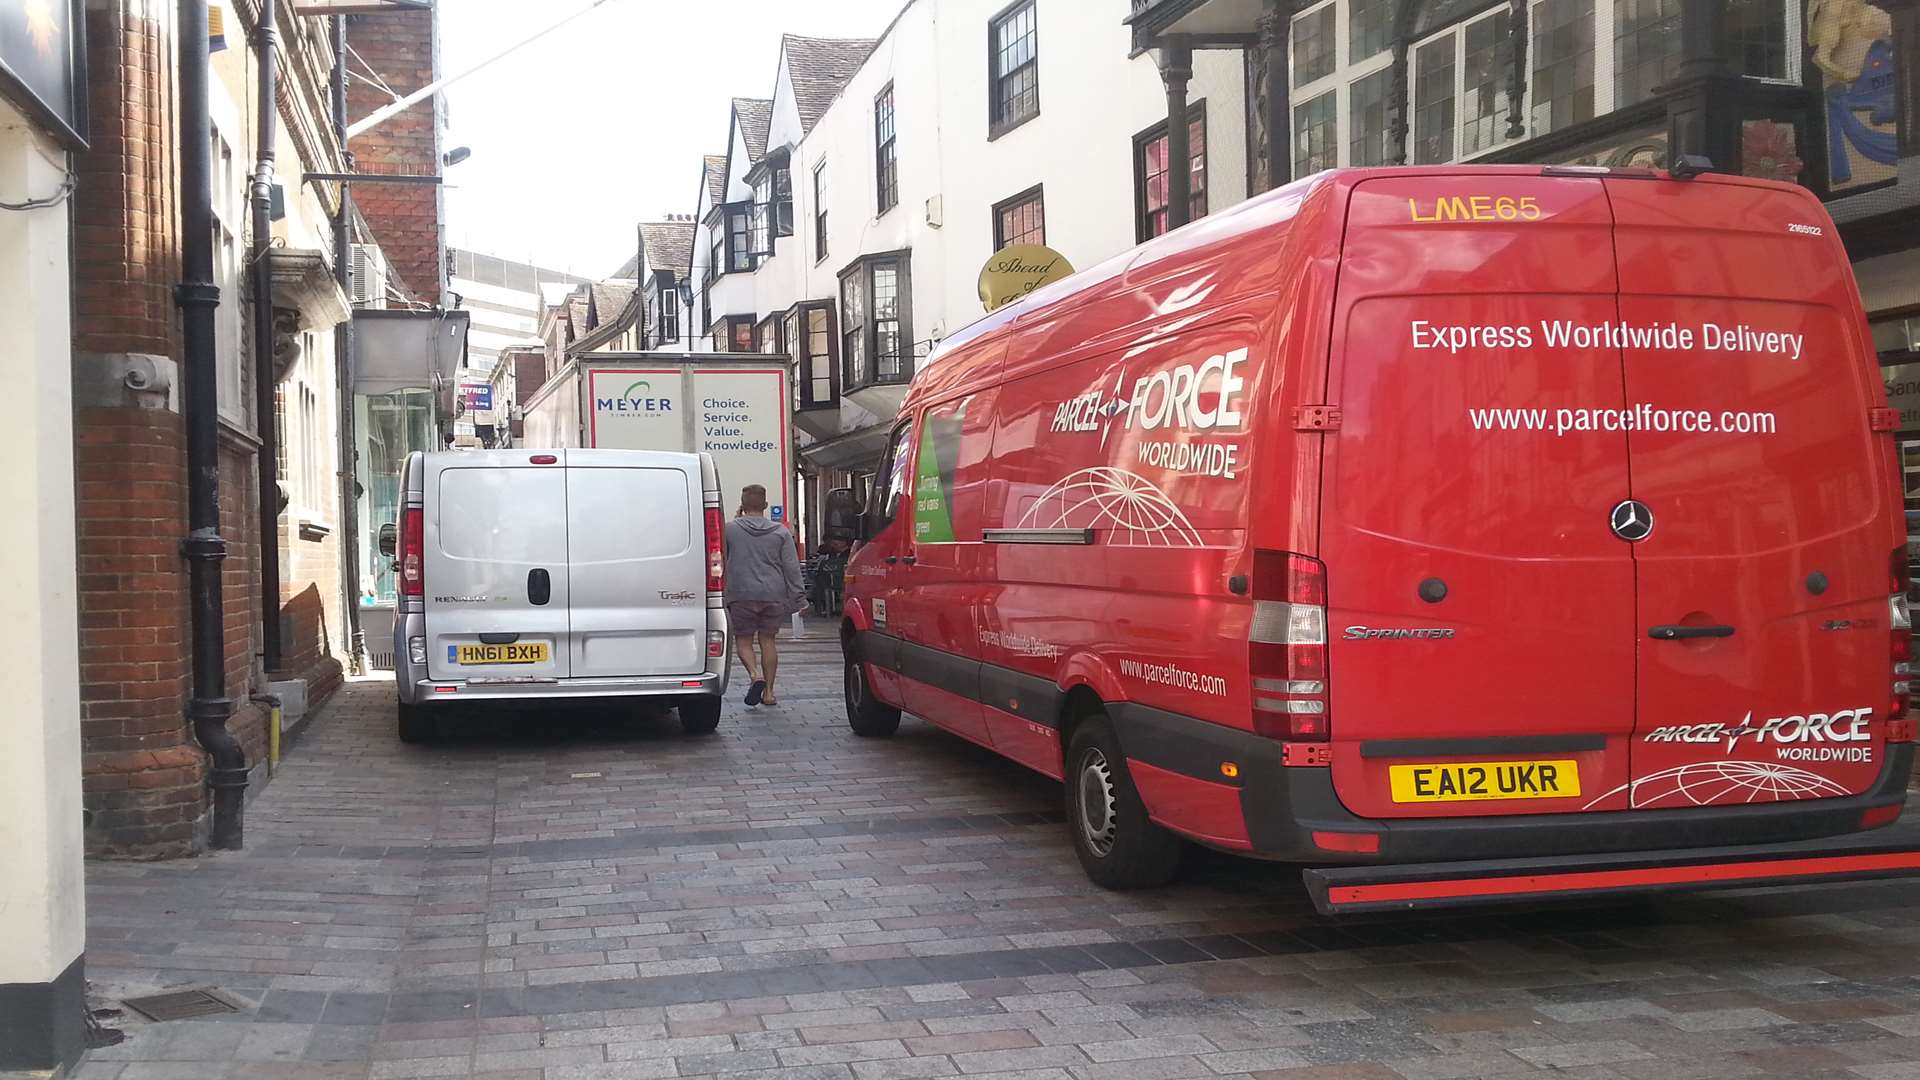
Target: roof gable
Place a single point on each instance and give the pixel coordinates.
(818, 69)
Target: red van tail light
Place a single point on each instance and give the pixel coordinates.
(1900, 622)
(716, 555)
(413, 553)
(1287, 646)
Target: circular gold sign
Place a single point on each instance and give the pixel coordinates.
(1016, 270)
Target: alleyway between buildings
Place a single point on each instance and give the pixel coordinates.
(571, 896)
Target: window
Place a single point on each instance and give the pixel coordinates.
(229, 212)
(1562, 57)
(886, 170)
(1646, 48)
(782, 199)
(760, 218)
(667, 304)
(706, 303)
(733, 333)
(1013, 80)
(1367, 118)
(1314, 135)
(1020, 220)
(1757, 38)
(894, 480)
(820, 211)
(1150, 165)
(1433, 101)
(809, 335)
(1313, 46)
(1459, 84)
(875, 328)
(769, 337)
(739, 237)
(1368, 23)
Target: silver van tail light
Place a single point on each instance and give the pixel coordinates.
(1287, 653)
(413, 552)
(716, 553)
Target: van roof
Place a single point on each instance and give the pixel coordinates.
(1263, 211)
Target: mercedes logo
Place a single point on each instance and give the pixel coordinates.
(1631, 521)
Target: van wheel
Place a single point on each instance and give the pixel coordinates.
(865, 715)
(699, 716)
(416, 724)
(1119, 847)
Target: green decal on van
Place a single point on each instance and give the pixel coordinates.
(933, 476)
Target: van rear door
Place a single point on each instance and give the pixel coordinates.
(1771, 510)
(637, 547)
(1481, 615)
(496, 578)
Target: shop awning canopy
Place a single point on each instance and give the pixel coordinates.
(395, 349)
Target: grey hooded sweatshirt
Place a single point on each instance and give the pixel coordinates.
(762, 564)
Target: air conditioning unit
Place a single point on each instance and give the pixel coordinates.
(936, 212)
(368, 276)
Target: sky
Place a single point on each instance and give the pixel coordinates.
(602, 123)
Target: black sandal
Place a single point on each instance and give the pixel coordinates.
(754, 692)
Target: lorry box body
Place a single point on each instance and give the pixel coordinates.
(1413, 516)
(736, 407)
(543, 574)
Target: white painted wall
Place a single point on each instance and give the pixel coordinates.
(42, 905)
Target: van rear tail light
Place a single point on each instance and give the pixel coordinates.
(545, 459)
(413, 553)
(1287, 646)
(417, 650)
(1900, 623)
(716, 644)
(716, 555)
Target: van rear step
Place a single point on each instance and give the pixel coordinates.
(1340, 890)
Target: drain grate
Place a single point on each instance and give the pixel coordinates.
(179, 1005)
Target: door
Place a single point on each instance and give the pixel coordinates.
(1770, 510)
(496, 580)
(933, 606)
(1480, 612)
(636, 542)
(876, 563)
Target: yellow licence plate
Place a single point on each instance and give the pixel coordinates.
(1473, 781)
(533, 652)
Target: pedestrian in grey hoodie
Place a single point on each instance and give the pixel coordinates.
(763, 588)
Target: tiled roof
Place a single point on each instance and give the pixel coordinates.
(577, 313)
(669, 245)
(628, 270)
(608, 301)
(716, 177)
(754, 117)
(818, 68)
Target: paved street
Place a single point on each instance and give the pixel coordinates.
(561, 897)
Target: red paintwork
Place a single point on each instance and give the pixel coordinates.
(1761, 871)
(1320, 283)
(1209, 812)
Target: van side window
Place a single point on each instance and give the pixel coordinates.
(894, 480)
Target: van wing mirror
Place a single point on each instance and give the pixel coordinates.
(389, 541)
(844, 522)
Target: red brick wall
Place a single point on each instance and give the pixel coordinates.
(404, 217)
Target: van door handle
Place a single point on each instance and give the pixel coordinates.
(1670, 632)
(891, 559)
(539, 586)
(910, 559)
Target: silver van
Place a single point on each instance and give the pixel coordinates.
(559, 574)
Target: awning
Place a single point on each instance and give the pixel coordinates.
(396, 349)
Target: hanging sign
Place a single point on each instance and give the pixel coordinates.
(1018, 269)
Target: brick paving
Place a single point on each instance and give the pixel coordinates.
(574, 896)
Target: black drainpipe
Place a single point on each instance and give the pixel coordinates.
(198, 297)
(343, 366)
(264, 379)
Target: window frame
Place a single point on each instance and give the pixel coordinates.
(1036, 195)
(1142, 215)
(862, 271)
(1345, 74)
(760, 218)
(819, 211)
(782, 198)
(892, 479)
(886, 151)
(806, 363)
(998, 122)
(771, 330)
(666, 292)
(1458, 31)
(732, 327)
(736, 237)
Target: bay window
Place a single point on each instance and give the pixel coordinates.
(876, 304)
(809, 340)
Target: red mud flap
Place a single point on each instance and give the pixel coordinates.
(1338, 890)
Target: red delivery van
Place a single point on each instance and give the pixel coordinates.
(1461, 533)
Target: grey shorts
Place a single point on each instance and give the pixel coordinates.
(754, 617)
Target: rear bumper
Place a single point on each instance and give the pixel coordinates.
(1418, 886)
(1283, 807)
(416, 688)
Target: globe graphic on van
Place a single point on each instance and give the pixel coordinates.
(1126, 506)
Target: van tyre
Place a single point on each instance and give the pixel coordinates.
(699, 716)
(1118, 846)
(416, 724)
(869, 718)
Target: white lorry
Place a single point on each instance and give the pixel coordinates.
(736, 407)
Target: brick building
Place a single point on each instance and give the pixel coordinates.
(145, 775)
